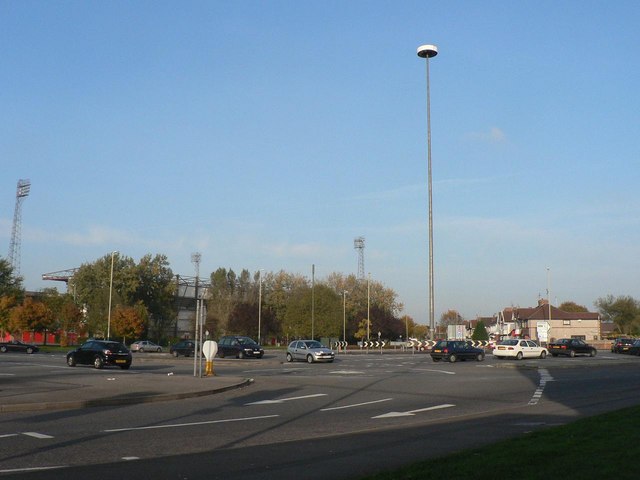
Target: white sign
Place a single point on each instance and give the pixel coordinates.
(210, 348)
(543, 331)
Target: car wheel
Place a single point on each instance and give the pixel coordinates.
(141, 350)
(572, 353)
(98, 363)
(3, 349)
(240, 354)
(309, 358)
(71, 361)
(519, 356)
(289, 358)
(543, 354)
(480, 357)
(259, 356)
(593, 353)
(452, 358)
(499, 357)
(159, 350)
(175, 353)
(29, 350)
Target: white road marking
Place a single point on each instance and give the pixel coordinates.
(446, 372)
(9, 435)
(413, 412)
(178, 425)
(32, 469)
(545, 377)
(37, 435)
(347, 372)
(130, 458)
(355, 405)
(7, 374)
(282, 400)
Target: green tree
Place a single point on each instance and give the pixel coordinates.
(572, 307)
(624, 311)
(10, 285)
(480, 332)
(155, 290)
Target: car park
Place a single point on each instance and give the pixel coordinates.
(17, 346)
(571, 347)
(239, 347)
(100, 353)
(454, 350)
(519, 348)
(310, 351)
(183, 347)
(145, 346)
(621, 345)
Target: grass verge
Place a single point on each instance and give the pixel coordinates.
(603, 446)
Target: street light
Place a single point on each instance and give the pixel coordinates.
(428, 51)
(110, 294)
(259, 303)
(344, 316)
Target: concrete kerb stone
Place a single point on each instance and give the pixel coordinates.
(126, 399)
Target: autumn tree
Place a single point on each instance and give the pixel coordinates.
(572, 307)
(129, 322)
(31, 316)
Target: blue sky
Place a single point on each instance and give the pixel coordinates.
(269, 134)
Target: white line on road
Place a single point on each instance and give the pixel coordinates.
(33, 469)
(431, 370)
(355, 405)
(6, 435)
(178, 425)
(37, 435)
(281, 400)
(413, 412)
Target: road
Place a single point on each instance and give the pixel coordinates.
(358, 415)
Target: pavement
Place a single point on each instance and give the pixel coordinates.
(83, 387)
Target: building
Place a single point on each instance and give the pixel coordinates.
(546, 323)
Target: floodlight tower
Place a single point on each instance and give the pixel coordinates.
(358, 244)
(14, 247)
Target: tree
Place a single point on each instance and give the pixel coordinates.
(480, 332)
(451, 317)
(572, 307)
(31, 316)
(155, 290)
(624, 311)
(10, 285)
(129, 322)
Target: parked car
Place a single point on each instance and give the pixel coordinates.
(621, 345)
(634, 348)
(145, 346)
(310, 351)
(519, 349)
(239, 347)
(100, 353)
(16, 346)
(454, 350)
(571, 347)
(183, 347)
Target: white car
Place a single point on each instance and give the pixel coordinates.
(145, 346)
(519, 349)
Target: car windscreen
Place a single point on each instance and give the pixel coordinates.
(313, 344)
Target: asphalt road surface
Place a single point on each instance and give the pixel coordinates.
(358, 415)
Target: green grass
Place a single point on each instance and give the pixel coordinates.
(603, 446)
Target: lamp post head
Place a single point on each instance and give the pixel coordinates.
(427, 51)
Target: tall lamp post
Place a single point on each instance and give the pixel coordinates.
(427, 52)
(259, 303)
(344, 316)
(110, 295)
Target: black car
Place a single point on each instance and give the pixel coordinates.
(16, 346)
(634, 348)
(239, 347)
(571, 347)
(100, 353)
(621, 345)
(183, 347)
(454, 350)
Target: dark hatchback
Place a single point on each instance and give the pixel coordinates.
(571, 347)
(621, 345)
(454, 350)
(239, 347)
(16, 346)
(634, 348)
(100, 353)
(183, 347)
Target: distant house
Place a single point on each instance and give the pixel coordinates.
(547, 323)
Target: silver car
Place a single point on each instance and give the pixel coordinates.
(145, 346)
(310, 351)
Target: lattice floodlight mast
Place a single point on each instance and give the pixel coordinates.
(16, 232)
(358, 244)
